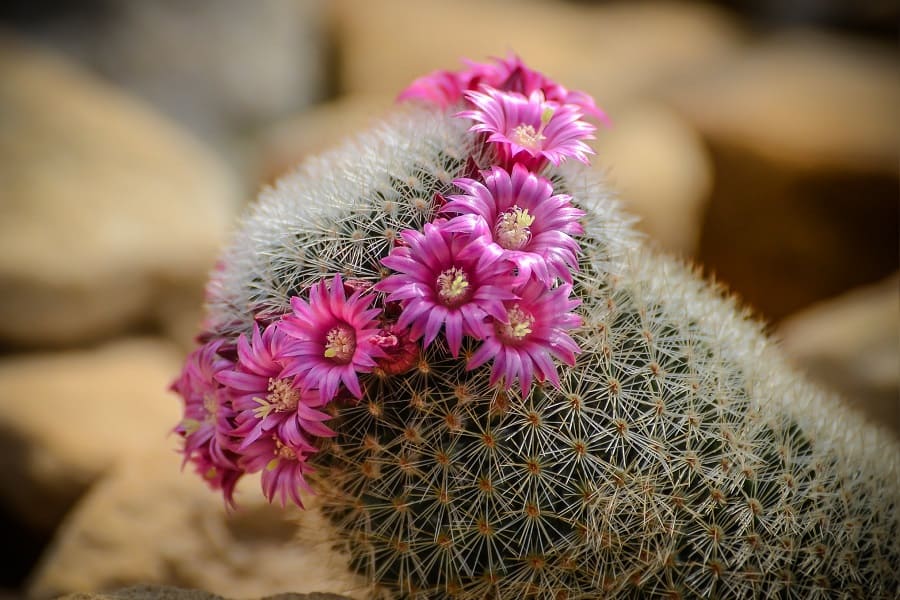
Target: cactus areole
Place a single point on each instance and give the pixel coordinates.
(447, 333)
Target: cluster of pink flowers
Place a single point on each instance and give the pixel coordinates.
(495, 265)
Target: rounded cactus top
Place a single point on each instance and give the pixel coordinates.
(447, 331)
(443, 227)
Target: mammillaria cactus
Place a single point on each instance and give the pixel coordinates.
(497, 391)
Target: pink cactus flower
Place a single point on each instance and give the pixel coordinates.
(283, 469)
(331, 342)
(265, 401)
(445, 280)
(445, 88)
(217, 476)
(527, 223)
(533, 332)
(529, 129)
(208, 423)
(517, 77)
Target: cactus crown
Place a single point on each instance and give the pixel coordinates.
(602, 424)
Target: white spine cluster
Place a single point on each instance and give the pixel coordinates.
(679, 458)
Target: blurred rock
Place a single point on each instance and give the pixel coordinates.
(159, 592)
(614, 51)
(144, 592)
(872, 17)
(285, 144)
(66, 417)
(148, 522)
(659, 167)
(106, 206)
(222, 65)
(803, 131)
(852, 344)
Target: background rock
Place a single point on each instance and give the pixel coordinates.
(217, 67)
(803, 132)
(660, 169)
(66, 417)
(149, 522)
(852, 344)
(158, 592)
(612, 51)
(105, 205)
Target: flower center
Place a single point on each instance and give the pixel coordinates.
(282, 452)
(519, 325)
(282, 395)
(527, 137)
(453, 286)
(513, 228)
(340, 344)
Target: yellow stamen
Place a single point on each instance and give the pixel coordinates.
(527, 137)
(340, 344)
(453, 285)
(519, 326)
(512, 231)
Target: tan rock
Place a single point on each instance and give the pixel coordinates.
(214, 66)
(852, 344)
(612, 51)
(66, 417)
(803, 131)
(149, 522)
(104, 204)
(159, 592)
(657, 164)
(144, 592)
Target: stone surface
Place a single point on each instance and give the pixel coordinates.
(159, 592)
(106, 206)
(660, 169)
(148, 522)
(215, 66)
(613, 51)
(852, 344)
(803, 131)
(66, 417)
(144, 592)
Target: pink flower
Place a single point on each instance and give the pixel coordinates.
(533, 333)
(207, 425)
(441, 88)
(217, 476)
(283, 469)
(445, 88)
(265, 401)
(516, 77)
(331, 339)
(527, 223)
(445, 280)
(529, 129)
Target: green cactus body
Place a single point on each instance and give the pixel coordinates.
(679, 457)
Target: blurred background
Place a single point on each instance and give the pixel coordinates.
(756, 138)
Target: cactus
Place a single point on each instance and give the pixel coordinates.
(677, 457)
